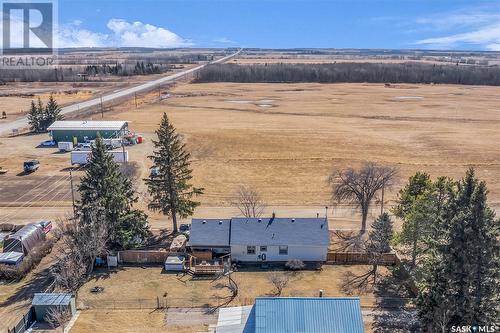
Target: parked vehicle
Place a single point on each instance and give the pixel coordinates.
(48, 143)
(154, 172)
(65, 146)
(84, 146)
(31, 166)
(46, 226)
(83, 156)
(185, 228)
(112, 143)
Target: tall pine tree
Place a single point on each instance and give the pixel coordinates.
(170, 189)
(34, 117)
(466, 275)
(104, 183)
(52, 112)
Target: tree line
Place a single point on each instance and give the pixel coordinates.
(411, 72)
(125, 70)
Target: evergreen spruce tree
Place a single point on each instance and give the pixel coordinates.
(52, 112)
(466, 278)
(381, 234)
(104, 183)
(170, 189)
(422, 205)
(34, 117)
(379, 241)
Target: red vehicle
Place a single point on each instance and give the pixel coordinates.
(46, 226)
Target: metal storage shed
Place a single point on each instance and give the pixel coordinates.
(62, 130)
(293, 315)
(24, 240)
(42, 302)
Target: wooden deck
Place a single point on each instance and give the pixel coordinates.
(207, 267)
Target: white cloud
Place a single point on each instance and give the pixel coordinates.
(444, 22)
(140, 34)
(121, 33)
(72, 35)
(487, 37)
(477, 27)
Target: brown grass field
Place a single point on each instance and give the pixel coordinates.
(285, 139)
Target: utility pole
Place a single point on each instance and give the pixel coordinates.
(72, 193)
(159, 93)
(124, 154)
(102, 109)
(135, 96)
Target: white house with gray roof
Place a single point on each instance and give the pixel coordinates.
(263, 239)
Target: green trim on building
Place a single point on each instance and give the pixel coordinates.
(68, 135)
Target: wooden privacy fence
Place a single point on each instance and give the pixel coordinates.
(144, 256)
(24, 323)
(361, 258)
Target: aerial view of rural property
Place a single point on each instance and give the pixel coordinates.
(249, 166)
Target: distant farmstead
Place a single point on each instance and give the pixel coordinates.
(85, 130)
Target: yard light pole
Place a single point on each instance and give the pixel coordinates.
(382, 201)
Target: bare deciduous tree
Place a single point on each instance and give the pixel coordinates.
(249, 201)
(279, 281)
(233, 289)
(82, 240)
(360, 186)
(58, 317)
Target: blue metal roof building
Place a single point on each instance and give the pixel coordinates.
(294, 315)
(308, 315)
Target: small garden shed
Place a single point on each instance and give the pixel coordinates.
(43, 302)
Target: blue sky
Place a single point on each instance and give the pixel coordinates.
(437, 24)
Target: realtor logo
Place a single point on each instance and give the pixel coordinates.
(27, 34)
(27, 27)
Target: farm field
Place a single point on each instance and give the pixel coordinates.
(284, 139)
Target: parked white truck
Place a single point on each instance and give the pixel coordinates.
(65, 146)
(82, 157)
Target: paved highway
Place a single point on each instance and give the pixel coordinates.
(7, 128)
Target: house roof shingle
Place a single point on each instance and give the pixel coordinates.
(209, 232)
(279, 231)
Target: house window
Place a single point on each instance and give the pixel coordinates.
(284, 250)
(250, 249)
(263, 249)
